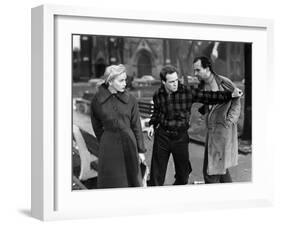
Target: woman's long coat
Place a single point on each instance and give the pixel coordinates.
(116, 123)
(222, 137)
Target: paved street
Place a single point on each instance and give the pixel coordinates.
(240, 173)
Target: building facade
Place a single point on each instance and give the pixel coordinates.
(146, 56)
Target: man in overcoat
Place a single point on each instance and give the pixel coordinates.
(221, 147)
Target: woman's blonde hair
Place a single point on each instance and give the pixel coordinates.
(112, 72)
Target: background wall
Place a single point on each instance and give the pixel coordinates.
(15, 112)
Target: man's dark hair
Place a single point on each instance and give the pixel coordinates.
(167, 69)
(205, 62)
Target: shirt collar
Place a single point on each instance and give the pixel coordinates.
(104, 94)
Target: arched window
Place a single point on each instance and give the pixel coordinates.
(99, 67)
(144, 64)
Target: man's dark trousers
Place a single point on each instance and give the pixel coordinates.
(166, 143)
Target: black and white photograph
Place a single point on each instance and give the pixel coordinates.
(146, 114)
(140, 113)
(160, 112)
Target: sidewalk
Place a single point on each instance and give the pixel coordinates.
(240, 173)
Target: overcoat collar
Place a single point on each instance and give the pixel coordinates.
(218, 79)
(104, 94)
(224, 84)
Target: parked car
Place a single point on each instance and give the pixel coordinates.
(95, 81)
(146, 80)
(192, 80)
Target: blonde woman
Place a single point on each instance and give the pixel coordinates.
(116, 123)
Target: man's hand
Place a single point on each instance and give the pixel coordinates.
(150, 132)
(237, 93)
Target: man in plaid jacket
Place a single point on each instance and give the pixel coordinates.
(170, 122)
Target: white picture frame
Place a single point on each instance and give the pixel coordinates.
(52, 197)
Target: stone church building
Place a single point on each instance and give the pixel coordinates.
(146, 56)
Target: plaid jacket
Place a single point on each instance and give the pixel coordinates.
(172, 111)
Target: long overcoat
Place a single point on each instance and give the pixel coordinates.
(222, 137)
(116, 123)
